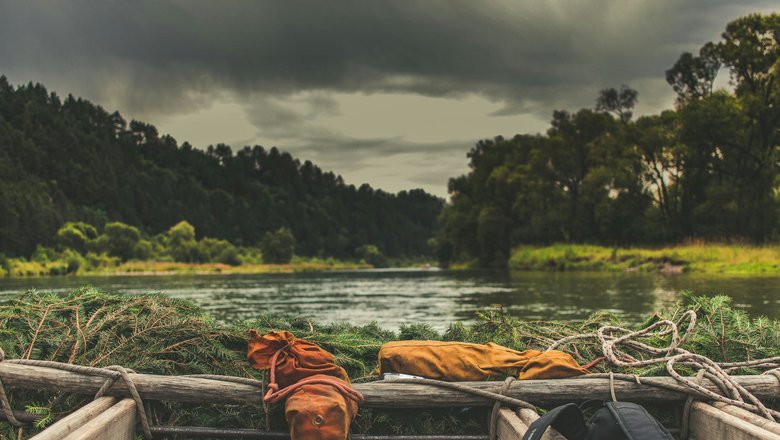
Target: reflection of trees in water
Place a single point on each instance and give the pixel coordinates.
(575, 295)
(437, 297)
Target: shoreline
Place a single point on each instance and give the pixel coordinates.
(711, 259)
(157, 268)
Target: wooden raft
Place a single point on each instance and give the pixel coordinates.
(114, 417)
(379, 394)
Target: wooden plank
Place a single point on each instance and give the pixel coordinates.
(76, 419)
(380, 394)
(115, 423)
(509, 426)
(173, 388)
(709, 423)
(528, 416)
(748, 416)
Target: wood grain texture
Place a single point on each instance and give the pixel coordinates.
(115, 423)
(509, 426)
(380, 394)
(76, 420)
(529, 416)
(709, 423)
(748, 416)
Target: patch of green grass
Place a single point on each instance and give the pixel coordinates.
(702, 258)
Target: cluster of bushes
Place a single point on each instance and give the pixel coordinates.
(80, 246)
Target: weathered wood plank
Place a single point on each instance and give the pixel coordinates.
(509, 426)
(378, 394)
(545, 392)
(748, 417)
(115, 423)
(528, 416)
(76, 420)
(709, 423)
(173, 388)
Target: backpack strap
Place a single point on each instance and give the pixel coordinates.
(566, 419)
(637, 423)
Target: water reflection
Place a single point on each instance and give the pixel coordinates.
(395, 297)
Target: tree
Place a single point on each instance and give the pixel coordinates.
(620, 102)
(692, 77)
(120, 240)
(371, 255)
(180, 243)
(76, 236)
(278, 247)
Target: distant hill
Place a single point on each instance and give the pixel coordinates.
(65, 160)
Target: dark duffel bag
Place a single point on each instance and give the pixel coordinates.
(614, 421)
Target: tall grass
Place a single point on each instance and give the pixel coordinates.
(693, 257)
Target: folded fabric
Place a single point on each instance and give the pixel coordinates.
(458, 361)
(296, 359)
(320, 403)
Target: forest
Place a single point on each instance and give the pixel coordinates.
(706, 170)
(68, 163)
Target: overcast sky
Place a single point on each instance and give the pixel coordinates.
(393, 93)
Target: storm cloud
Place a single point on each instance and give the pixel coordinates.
(291, 67)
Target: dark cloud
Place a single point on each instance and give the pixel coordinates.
(527, 54)
(154, 58)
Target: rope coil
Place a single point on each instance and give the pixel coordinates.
(615, 340)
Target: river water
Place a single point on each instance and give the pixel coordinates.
(436, 297)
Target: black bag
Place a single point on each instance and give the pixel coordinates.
(614, 421)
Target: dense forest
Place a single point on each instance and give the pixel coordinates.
(68, 160)
(706, 170)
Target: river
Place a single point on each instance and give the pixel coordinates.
(394, 297)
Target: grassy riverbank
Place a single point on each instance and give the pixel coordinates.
(699, 258)
(19, 268)
(174, 337)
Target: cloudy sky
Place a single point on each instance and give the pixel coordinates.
(393, 93)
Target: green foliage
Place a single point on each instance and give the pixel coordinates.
(156, 334)
(73, 260)
(119, 239)
(707, 170)
(371, 255)
(101, 260)
(76, 236)
(220, 251)
(181, 244)
(68, 160)
(278, 247)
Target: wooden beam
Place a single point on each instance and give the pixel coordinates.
(748, 416)
(379, 394)
(528, 416)
(509, 426)
(551, 392)
(76, 419)
(707, 423)
(115, 423)
(154, 387)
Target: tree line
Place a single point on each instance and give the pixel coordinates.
(69, 160)
(707, 169)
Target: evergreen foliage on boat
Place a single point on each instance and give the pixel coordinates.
(157, 334)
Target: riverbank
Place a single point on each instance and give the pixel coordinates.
(167, 336)
(18, 268)
(695, 258)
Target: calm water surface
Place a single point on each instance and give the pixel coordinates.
(395, 297)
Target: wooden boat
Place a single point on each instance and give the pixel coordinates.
(114, 416)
